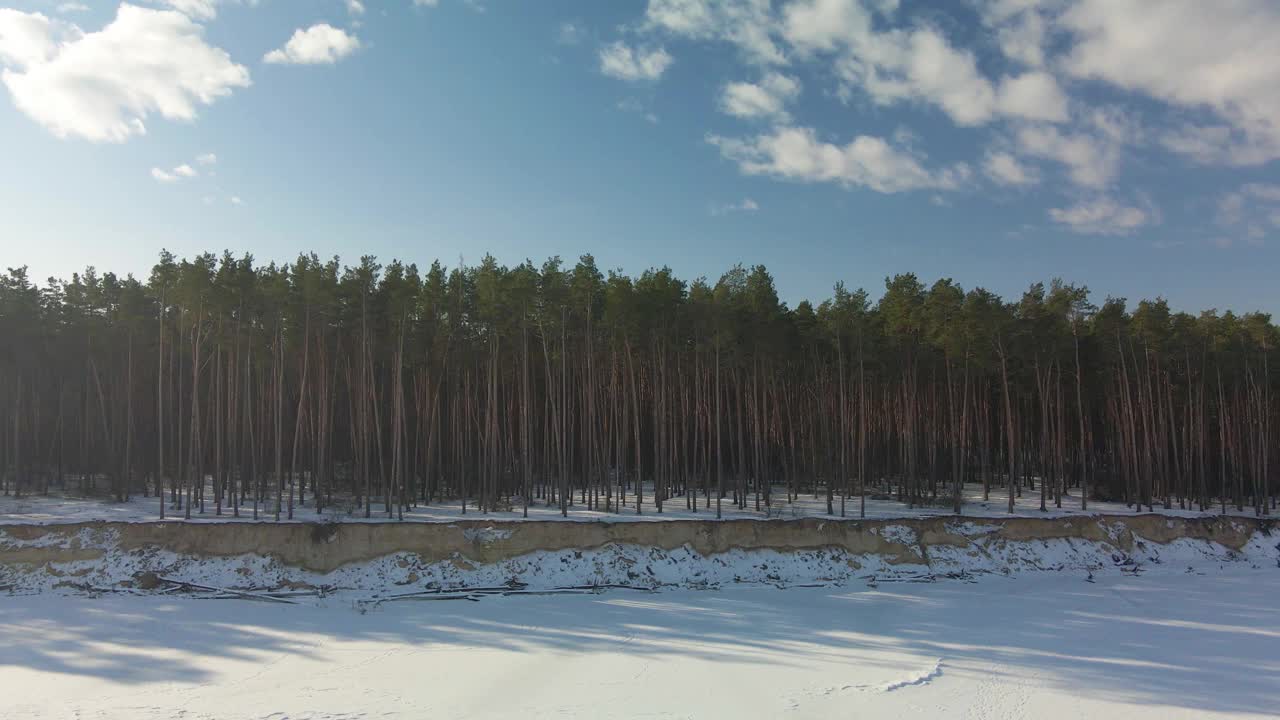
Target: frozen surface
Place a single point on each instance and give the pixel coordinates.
(1044, 645)
(69, 508)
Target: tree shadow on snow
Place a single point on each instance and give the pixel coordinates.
(1207, 645)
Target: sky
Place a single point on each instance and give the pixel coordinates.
(1127, 145)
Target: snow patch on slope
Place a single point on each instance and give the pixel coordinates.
(901, 534)
(487, 535)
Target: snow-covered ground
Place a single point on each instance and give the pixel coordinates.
(976, 622)
(1164, 645)
(63, 508)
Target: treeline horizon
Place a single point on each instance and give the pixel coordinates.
(226, 387)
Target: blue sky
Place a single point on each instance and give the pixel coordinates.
(1129, 145)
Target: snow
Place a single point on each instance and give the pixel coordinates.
(66, 508)
(1166, 645)
(995, 628)
(900, 534)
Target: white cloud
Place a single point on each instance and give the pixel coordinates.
(1233, 208)
(320, 44)
(570, 33)
(1114, 124)
(919, 65)
(766, 99)
(355, 7)
(202, 10)
(1220, 145)
(890, 66)
(1005, 169)
(1212, 62)
(914, 63)
(746, 24)
(26, 38)
(1101, 216)
(621, 61)
(474, 5)
(866, 161)
(1249, 210)
(934, 71)
(235, 200)
(1033, 96)
(747, 206)
(195, 9)
(1091, 162)
(185, 170)
(1218, 56)
(72, 7)
(1020, 28)
(822, 25)
(1263, 191)
(102, 86)
(632, 105)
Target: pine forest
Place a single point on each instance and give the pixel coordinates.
(232, 388)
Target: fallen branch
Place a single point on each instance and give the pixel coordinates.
(316, 592)
(125, 590)
(513, 588)
(555, 591)
(228, 591)
(909, 579)
(439, 596)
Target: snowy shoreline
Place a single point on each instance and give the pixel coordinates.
(375, 560)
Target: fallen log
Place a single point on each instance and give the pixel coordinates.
(228, 591)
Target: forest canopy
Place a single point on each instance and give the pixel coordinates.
(226, 387)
